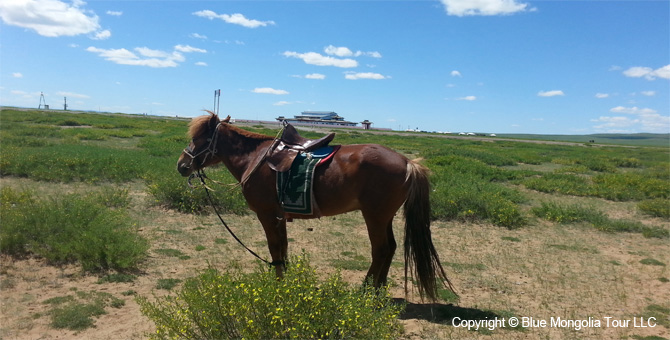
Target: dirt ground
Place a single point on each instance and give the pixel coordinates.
(543, 271)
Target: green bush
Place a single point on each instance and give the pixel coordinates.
(575, 213)
(217, 305)
(69, 229)
(172, 191)
(659, 207)
(468, 197)
(566, 214)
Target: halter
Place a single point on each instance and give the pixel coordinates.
(209, 151)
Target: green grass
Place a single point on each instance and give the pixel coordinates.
(575, 213)
(167, 284)
(117, 278)
(71, 228)
(656, 207)
(660, 312)
(169, 252)
(76, 312)
(652, 262)
(472, 181)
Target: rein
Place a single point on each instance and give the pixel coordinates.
(201, 175)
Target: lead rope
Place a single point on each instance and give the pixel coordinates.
(201, 175)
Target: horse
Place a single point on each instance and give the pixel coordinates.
(367, 177)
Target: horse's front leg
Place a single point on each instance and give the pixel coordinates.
(275, 233)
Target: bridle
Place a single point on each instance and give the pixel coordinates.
(209, 151)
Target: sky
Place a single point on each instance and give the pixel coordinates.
(493, 66)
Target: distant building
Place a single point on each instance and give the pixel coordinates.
(317, 118)
(366, 124)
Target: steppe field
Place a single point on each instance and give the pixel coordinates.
(570, 239)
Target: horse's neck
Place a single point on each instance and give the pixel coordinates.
(239, 151)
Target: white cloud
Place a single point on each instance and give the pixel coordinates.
(189, 49)
(346, 52)
(602, 95)
(314, 58)
(648, 93)
(102, 35)
(615, 124)
(468, 98)
(201, 63)
(198, 36)
(648, 73)
(632, 110)
(269, 90)
(315, 76)
(484, 7)
(338, 51)
(237, 19)
(455, 73)
(147, 57)
(644, 119)
(115, 13)
(281, 103)
(51, 18)
(72, 95)
(552, 93)
(17, 75)
(364, 75)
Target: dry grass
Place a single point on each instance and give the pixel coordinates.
(541, 271)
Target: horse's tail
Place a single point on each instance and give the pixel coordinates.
(421, 258)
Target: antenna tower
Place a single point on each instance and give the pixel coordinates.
(217, 100)
(43, 102)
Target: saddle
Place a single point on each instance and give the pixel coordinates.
(290, 144)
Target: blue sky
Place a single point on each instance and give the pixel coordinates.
(500, 66)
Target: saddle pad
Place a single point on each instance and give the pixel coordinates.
(294, 187)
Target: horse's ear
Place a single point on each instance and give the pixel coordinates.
(213, 120)
(227, 120)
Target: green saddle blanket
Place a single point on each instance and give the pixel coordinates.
(294, 187)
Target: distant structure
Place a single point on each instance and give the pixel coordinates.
(65, 104)
(43, 102)
(217, 101)
(317, 118)
(366, 124)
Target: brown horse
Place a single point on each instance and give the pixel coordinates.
(368, 177)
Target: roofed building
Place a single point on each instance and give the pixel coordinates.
(317, 118)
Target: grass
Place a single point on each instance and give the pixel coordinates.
(76, 312)
(69, 229)
(574, 213)
(167, 284)
(652, 262)
(469, 177)
(117, 278)
(659, 312)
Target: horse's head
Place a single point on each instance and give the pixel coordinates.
(201, 152)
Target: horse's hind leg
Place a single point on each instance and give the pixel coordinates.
(380, 231)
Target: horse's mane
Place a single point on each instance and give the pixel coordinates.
(200, 125)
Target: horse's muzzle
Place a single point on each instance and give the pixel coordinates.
(184, 168)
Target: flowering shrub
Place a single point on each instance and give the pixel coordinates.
(217, 305)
